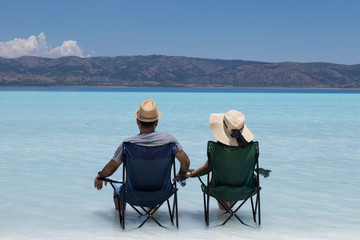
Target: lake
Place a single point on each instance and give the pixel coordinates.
(53, 141)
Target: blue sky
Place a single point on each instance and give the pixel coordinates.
(259, 30)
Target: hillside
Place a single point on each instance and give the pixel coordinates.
(168, 71)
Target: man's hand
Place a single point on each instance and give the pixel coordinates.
(181, 174)
(108, 170)
(98, 184)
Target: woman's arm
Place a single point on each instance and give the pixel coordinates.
(199, 170)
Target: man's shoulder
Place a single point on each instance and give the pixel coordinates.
(153, 134)
(162, 133)
(153, 138)
(165, 135)
(148, 135)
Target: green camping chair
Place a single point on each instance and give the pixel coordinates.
(234, 177)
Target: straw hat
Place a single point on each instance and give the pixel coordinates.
(148, 111)
(222, 124)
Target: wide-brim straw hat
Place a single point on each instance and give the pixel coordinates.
(222, 124)
(148, 111)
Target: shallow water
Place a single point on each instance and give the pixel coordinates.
(52, 144)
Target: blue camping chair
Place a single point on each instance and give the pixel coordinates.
(147, 181)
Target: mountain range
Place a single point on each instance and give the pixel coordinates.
(173, 71)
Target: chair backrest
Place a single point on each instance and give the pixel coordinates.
(232, 166)
(148, 168)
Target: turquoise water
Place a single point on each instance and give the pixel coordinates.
(53, 142)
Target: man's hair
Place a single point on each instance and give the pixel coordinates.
(147, 125)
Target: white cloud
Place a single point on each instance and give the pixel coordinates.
(37, 46)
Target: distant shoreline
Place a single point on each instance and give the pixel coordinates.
(174, 72)
(180, 89)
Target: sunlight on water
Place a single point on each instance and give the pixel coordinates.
(54, 142)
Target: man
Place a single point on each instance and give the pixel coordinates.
(147, 117)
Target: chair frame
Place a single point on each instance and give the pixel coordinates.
(229, 209)
(141, 210)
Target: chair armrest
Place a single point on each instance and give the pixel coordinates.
(108, 180)
(200, 174)
(264, 172)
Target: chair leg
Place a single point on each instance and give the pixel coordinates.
(204, 207)
(150, 215)
(123, 212)
(204, 197)
(176, 210)
(229, 209)
(253, 209)
(207, 209)
(150, 212)
(119, 209)
(258, 202)
(233, 213)
(171, 213)
(136, 210)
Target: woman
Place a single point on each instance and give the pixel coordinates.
(229, 129)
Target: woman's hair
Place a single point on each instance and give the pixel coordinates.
(239, 137)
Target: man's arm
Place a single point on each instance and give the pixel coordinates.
(107, 171)
(184, 163)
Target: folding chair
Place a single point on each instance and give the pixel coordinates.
(234, 177)
(147, 182)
